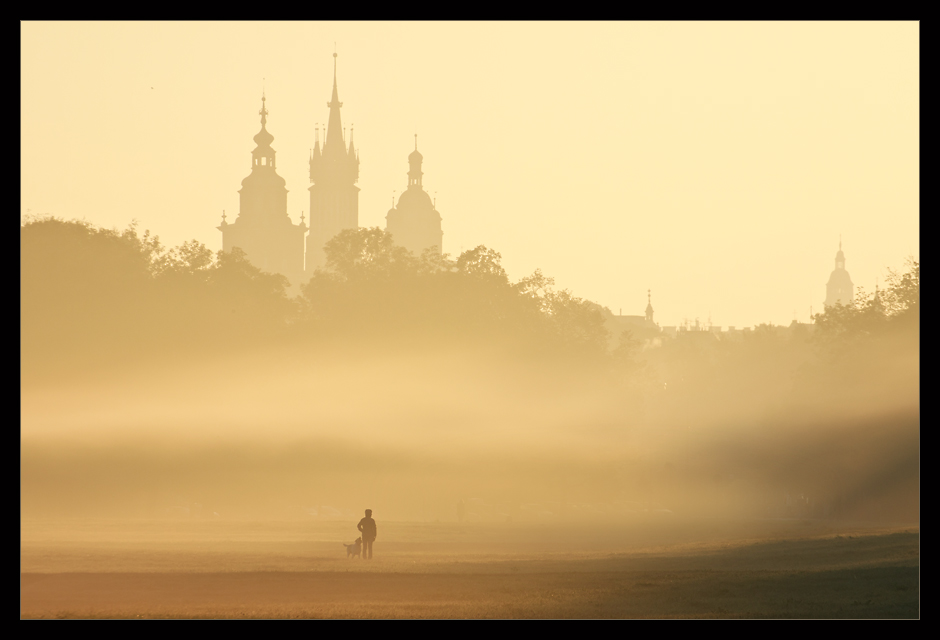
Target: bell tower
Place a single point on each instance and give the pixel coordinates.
(839, 289)
(263, 230)
(334, 196)
(415, 223)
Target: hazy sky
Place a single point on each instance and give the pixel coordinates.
(714, 163)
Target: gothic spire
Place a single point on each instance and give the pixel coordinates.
(334, 132)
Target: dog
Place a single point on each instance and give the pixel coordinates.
(354, 549)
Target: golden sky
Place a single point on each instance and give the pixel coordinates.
(714, 163)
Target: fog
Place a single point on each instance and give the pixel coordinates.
(287, 433)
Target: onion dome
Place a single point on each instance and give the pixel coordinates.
(263, 138)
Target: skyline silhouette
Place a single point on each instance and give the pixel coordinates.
(605, 164)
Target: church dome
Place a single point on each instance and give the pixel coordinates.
(415, 156)
(263, 138)
(262, 179)
(415, 199)
(840, 278)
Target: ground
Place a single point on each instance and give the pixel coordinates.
(649, 567)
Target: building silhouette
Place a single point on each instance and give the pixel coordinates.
(415, 224)
(274, 244)
(263, 230)
(334, 196)
(839, 289)
(641, 327)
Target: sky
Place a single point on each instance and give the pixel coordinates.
(715, 164)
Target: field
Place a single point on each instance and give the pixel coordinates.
(651, 566)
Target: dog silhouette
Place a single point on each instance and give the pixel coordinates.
(354, 549)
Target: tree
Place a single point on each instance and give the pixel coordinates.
(537, 289)
(85, 293)
(189, 258)
(903, 293)
(871, 314)
(432, 262)
(362, 252)
(483, 263)
(577, 323)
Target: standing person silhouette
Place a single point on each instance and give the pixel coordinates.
(367, 527)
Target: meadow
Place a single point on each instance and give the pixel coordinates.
(647, 565)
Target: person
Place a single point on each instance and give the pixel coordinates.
(367, 527)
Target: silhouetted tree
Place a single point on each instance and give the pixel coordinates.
(93, 297)
(362, 252)
(482, 262)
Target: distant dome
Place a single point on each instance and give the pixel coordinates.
(415, 156)
(264, 178)
(415, 199)
(840, 278)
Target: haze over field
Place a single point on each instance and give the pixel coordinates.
(149, 386)
(193, 405)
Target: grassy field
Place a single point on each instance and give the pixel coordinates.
(655, 567)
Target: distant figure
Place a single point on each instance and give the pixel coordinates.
(460, 511)
(367, 527)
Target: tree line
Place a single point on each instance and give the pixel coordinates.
(96, 298)
(92, 295)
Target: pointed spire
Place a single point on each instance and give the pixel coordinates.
(335, 98)
(876, 300)
(414, 162)
(263, 152)
(352, 150)
(334, 132)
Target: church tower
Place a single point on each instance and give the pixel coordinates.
(334, 196)
(263, 230)
(839, 288)
(415, 224)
